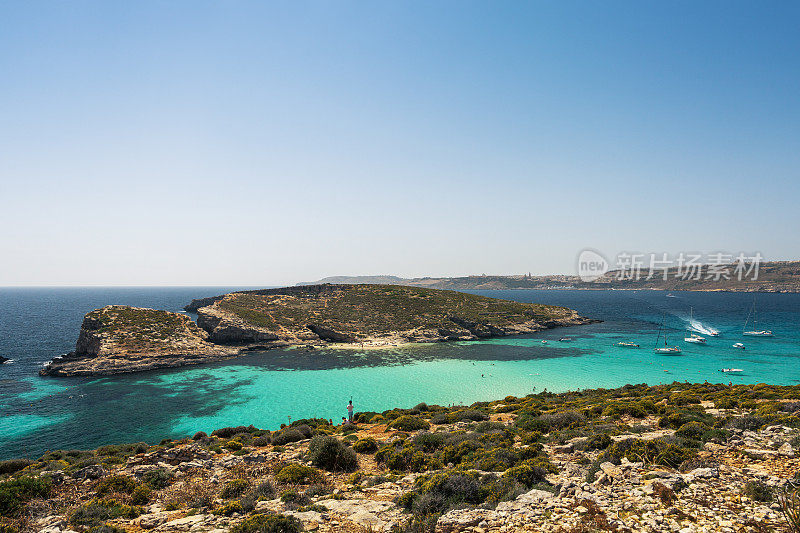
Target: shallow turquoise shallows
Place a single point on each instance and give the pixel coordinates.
(270, 388)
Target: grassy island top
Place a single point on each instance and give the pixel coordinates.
(375, 309)
(145, 328)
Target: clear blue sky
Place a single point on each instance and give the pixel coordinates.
(263, 143)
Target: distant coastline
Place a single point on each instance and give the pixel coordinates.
(775, 276)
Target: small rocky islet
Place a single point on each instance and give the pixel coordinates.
(117, 339)
(682, 458)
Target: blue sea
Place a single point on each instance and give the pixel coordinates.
(274, 387)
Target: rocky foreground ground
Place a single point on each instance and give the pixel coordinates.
(684, 458)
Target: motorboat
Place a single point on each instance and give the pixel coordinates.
(739, 345)
(695, 339)
(733, 370)
(627, 344)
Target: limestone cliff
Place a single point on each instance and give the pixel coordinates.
(118, 339)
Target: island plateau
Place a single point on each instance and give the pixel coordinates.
(117, 339)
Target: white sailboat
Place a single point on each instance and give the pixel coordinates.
(666, 349)
(755, 332)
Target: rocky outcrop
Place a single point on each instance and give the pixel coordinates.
(117, 339)
(328, 334)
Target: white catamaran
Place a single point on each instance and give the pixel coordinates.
(755, 332)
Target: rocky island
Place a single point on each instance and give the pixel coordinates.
(117, 339)
(684, 458)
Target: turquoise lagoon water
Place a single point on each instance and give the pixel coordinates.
(267, 388)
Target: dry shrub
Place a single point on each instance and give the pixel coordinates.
(190, 495)
(595, 517)
(664, 493)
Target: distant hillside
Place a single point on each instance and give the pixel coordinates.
(358, 280)
(775, 276)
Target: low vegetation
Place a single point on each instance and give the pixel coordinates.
(464, 456)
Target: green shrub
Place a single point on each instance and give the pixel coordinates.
(157, 478)
(117, 483)
(599, 441)
(296, 473)
(430, 442)
(683, 399)
(487, 427)
(409, 423)
(268, 523)
(563, 419)
(450, 417)
(692, 430)
(13, 465)
(140, 495)
(233, 445)
(262, 491)
(234, 488)
(758, 491)
(122, 451)
(332, 454)
(285, 436)
(97, 511)
(15, 493)
(446, 490)
(656, 451)
(365, 445)
(292, 496)
(228, 432)
(672, 420)
(228, 508)
(544, 423)
(264, 440)
(526, 474)
(746, 423)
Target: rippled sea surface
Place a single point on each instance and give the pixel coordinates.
(265, 389)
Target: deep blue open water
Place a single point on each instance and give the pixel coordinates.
(266, 389)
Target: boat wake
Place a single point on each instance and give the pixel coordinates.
(699, 327)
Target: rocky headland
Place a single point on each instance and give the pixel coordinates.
(672, 458)
(118, 339)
